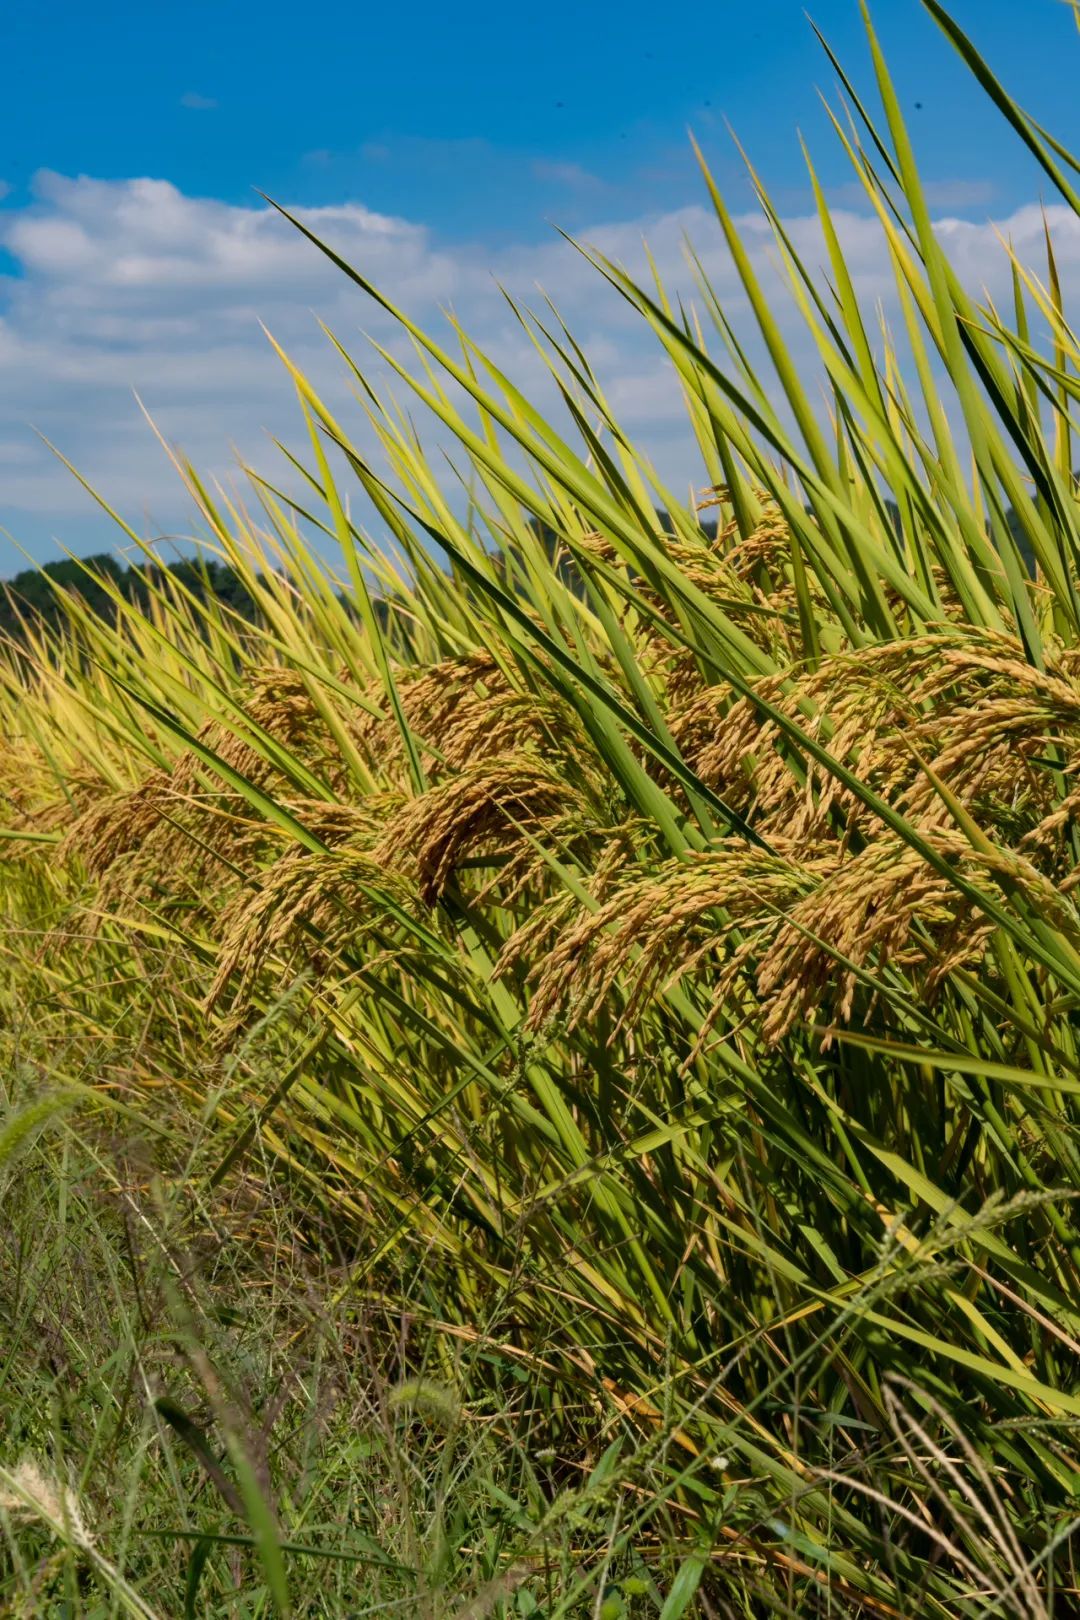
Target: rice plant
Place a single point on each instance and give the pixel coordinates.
(660, 913)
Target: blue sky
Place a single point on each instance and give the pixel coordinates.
(483, 119)
(468, 128)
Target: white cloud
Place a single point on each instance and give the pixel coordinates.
(194, 102)
(566, 174)
(131, 285)
(942, 195)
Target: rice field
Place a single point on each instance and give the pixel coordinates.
(579, 992)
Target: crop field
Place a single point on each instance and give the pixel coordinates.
(541, 1052)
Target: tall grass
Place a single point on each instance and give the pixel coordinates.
(198, 1424)
(665, 935)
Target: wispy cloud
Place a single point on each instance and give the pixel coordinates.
(566, 174)
(963, 195)
(194, 102)
(960, 193)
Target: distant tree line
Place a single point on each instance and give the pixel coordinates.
(31, 595)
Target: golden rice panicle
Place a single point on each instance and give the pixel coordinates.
(433, 697)
(462, 712)
(310, 909)
(281, 702)
(492, 809)
(885, 906)
(762, 564)
(117, 823)
(701, 916)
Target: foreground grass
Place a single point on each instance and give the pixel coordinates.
(204, 1416)
(640, 934)
(207, 1413)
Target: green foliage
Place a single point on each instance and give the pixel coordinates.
(200, 1411)
(36, 593)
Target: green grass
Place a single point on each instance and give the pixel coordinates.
(645, 962)
(230, 1426)
(242, 1433)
